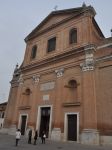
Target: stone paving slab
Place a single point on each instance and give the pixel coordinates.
(7, 142)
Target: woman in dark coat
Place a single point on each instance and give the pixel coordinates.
(35, 137)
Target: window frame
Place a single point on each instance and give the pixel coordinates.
(50, 47)
(73, 32)
(33, 52)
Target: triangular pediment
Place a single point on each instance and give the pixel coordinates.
(55, 18)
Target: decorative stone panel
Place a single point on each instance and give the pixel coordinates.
(36, 78)
(59, 72)
(88, 64)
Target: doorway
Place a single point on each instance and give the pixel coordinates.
(71, 126)
(23, 124)
(44, 120)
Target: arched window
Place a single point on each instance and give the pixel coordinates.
(27, 91)
(33, 52)
(72, 84)
(73, 36)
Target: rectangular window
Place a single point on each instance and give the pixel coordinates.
(73, 36)
(33, 52)
(51, 44)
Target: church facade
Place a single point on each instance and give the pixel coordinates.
(64, 85)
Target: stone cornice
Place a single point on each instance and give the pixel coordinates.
(104, 58)
(54, 59)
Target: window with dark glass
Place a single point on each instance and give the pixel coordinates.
(34, 51)
(73, 36)
(51, 44)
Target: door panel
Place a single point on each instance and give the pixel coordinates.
(23, 124)
(72, 127)
(45, 118)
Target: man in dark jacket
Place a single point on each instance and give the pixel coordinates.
(29, 136)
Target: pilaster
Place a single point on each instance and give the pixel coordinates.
(89, 133)
(56, 132)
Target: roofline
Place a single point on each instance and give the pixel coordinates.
(3, 103)
(83, 9)
(97, 27)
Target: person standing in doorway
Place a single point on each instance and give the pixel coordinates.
(18, 136)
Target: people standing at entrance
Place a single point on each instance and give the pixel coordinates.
(43, 137)
(35, 137)
(29, 136)
(18, 136)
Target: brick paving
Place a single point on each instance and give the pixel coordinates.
(7, 142)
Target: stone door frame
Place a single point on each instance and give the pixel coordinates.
(20, 120)
(39, 118)
(66, 124)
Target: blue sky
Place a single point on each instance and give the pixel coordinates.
(19, 17)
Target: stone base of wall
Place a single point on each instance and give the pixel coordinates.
(56, 134)
(105, 140)
(90, 137)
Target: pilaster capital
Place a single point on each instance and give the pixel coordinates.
(59, 72)
(88, 63)
(90, 48)
(36, 78)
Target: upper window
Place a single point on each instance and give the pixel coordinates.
(51, 44)
(33, 52)
(73, 36)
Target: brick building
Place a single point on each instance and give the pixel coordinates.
(2, 113)
(64, 85)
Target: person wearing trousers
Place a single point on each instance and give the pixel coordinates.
(18, 136)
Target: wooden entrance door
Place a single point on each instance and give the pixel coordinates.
(45, 119)
(72, 127)
(23, 124)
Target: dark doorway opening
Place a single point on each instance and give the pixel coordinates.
(23, 124)
(72, 127)
(44, 122)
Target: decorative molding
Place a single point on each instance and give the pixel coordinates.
(24, 107)
(47, 86)
(21, 80)
(104, 46)
(44, 62)
(69, 104)
(88, 64)
(104, 58)
(59, 72)
(36, 78)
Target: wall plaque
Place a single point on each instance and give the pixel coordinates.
(47, 86)
(45, 97)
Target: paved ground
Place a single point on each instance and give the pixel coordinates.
(7, 142)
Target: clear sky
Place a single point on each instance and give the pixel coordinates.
(19, 17)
